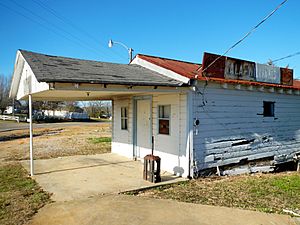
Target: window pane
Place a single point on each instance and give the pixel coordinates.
(160, 111)
(269, 109)
(164, 127)
(125, 112)
(124, 118)
(122, 111)
(124, 124)
(167, 111)
(164, 111)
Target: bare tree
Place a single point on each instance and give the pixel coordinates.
(4, 92)
(96, 108)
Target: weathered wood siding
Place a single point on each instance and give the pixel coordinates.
(232, 127)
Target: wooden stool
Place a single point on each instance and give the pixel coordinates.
(152, 168)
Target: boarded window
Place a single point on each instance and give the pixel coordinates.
(124, 118)
(269, 108)
(164, 113)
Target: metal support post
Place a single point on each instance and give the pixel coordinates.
(31, 136)
(130, 51)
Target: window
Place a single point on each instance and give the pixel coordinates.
(164, 113)
(124, 118)
(269, 109)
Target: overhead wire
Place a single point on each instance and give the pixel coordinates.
(78, 40)
(202, 93)
(243, 38)
(46, 28)
(285, 57)
(74, 26)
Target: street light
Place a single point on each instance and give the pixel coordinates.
(130, 50)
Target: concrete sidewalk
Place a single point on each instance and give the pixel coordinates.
(133, 210)
(76, 177)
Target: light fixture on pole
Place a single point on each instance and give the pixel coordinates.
(130, 50)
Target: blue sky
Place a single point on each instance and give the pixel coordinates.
(174, 29)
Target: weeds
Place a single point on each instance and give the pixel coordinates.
(97, 140)
(262, 192)
(20, 196)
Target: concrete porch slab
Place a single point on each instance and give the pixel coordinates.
(75, 177)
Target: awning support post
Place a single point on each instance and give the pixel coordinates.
(31, 136)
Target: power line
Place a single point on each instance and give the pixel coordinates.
(243, 38)
(285, 57)
(74, 26)
(79, 41)
(46, 28)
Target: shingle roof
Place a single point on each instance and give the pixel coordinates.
(49, 68)
(186, 69)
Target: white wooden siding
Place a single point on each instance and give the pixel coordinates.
(29, 83)
(172, 149)
(122, 139)
(233, 128)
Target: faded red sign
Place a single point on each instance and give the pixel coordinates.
(286, 76)
(213, 70)
(229, 68)
(214, 65)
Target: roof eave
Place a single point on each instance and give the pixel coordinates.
(113, 83)
(18, 68)
(248, 83)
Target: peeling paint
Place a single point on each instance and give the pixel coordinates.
(231, 132)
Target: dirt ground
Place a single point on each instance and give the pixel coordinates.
(21, 196)
(55, 142)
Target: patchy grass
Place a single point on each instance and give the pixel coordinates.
(20, 196)
(262, 192)
(54, 142)
(96, 140)
(100, 119)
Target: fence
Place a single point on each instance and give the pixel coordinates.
(6, 117)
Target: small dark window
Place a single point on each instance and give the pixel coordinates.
(164, 113)
(269, 108)
(124, 118)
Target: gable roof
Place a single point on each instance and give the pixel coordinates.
(189, 70)
(186, 69)
(49, 68)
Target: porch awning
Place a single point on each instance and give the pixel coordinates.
(49, 77)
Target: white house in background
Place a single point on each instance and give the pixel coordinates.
(200, 121)
(66, 115)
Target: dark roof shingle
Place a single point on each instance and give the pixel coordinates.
(49, 68)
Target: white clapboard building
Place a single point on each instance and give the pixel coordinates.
(203, 119)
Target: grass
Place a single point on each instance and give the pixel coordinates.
(20, 196)
(265, 192)
(97, 140)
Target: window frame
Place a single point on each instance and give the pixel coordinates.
(268, 109)
(164, 119)
(124, 126)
